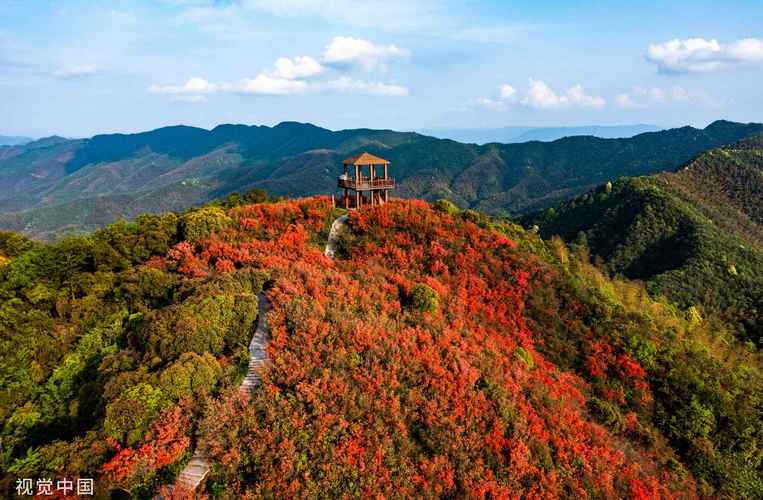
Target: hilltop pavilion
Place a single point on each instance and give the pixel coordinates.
(367, 190)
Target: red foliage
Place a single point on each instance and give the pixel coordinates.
(165, 443)
(599, 359)
(187, 262)
(365, 395)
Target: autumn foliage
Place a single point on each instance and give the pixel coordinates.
(370, 394)
(166, 442)
(440, 354)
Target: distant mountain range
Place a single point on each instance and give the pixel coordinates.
(694, 235)
(9, 140)
(55, 185)
(525, 134)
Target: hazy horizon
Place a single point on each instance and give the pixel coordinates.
(421, 130)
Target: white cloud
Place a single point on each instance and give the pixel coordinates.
(576, 96)
(289, 76)
(506, 96)
(489, 104)
(625, 101)
(682, 95)
(261, 84)
(644, 97)
(297, 67)
(76, 71)
(697, 55)
(540, 96)
(347, 84)
(194, 85)
(267, 85)
(346, 50)
(507, 91)
(193, 99)
(654, 95)
(196, 89)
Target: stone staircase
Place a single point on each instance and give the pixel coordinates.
(258, 355)
(336, 228)
(196, 471)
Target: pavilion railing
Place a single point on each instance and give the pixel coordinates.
(366, 184)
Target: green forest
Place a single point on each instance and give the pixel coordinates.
(694, 236)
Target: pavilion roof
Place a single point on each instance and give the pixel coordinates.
(365, 159)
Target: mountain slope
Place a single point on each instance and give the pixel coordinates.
(77, 176)
(695, 235)
(441, 354)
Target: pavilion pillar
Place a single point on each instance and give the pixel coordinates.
(357, 186)
(386, 177)
(371, 184)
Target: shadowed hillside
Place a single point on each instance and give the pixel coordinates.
(695, 235)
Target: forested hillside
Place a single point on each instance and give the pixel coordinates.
(694, 235)
(441, 354)
(55, 185)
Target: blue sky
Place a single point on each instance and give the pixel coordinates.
(79, 68)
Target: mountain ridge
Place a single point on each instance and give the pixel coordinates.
(495, 178)
(509, 135)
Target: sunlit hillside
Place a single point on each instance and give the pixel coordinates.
(441, 353)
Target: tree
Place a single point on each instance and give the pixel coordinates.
(191, 375)
(130, 415)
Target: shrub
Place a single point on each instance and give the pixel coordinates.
(191, 375)
(255, 195)
(14, 244)
(606, 413)
(201, 223)
(197, 325)
(446, 206)
(424, 298)
(525, 356)
(696, 420)
(129, 417)
(476, 217)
